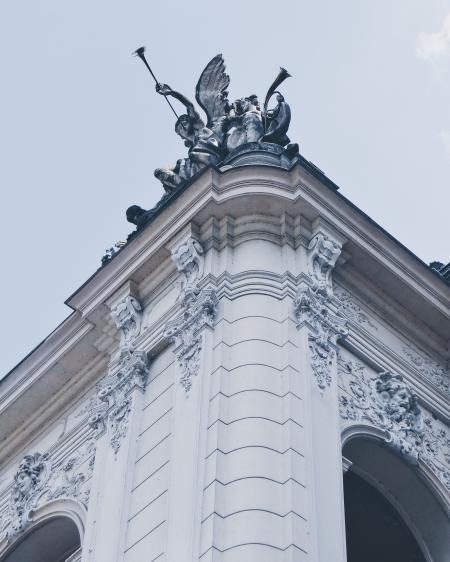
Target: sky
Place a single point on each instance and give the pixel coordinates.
(81, 128)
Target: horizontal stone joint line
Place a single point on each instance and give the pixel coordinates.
(150, 476)
(292, 545)
(254, 509)
(153, 448)
(278, 482)
(261, 340)
(219, 420)
(220, 393)
(149, 504)
(218, 450)
(157, 397)
(144, 536)
(156, 421)
(288, 366)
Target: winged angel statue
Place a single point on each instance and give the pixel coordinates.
(227, 127)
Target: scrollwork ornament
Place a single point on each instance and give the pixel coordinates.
(127, 315)
(185, 332)
(114, 400)
(325, 328)
(387, 403)
(323, 254)
(189, 259)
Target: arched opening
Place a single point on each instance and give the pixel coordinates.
(374, 529)
(55, 540)
(391, 512)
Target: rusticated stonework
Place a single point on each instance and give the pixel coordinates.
(114, 399)
(38, 480)
(387, 403)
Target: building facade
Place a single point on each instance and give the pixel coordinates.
(225, 383)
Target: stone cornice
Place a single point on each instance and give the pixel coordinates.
(297, 196)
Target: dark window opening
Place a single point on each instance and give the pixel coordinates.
(374, 529)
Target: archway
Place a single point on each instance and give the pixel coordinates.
(55, 540)
(391, 511)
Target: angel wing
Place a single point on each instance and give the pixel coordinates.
(211, 91)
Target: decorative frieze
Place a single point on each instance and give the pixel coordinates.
(114, 399)
(386, 402)
(350, 309)
(431, 370)
(39, 480)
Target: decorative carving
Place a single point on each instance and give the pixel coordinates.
(387, 403)
(431, 370)
(127, 315)
(323, 254)
(38, 481)
(311, 308)
(198, 311)
(188, 257)
(228, 125)
(114, 397)
(350, 309)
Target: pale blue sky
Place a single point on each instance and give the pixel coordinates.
(81, 128)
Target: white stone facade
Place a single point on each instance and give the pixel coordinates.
(196, 403)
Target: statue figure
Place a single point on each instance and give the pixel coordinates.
(205, 142)
(244, 123)
(228, 126)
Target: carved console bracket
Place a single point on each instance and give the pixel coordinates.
(313, 307)
(386, 402)
(198, 309)
(114, 398)
(129, 370)
(38, 480)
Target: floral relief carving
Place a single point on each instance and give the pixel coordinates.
(386, 402)
(313, 308)
(185, 332)
(39, 480)
(350, 309)
(198, 309)
(114, 399)
(430, 369)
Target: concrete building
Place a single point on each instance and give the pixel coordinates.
(258, 367)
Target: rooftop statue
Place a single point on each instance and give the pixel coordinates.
(228, 125)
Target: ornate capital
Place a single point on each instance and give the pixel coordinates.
(127, 315)
(114, 398)
(37, 481)
(323, 253)
(198, 311)
(325, 328)
(188, 257)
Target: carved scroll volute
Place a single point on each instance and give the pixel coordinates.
(189, 259)
(314, 306)
(198, 308)
(127, 316)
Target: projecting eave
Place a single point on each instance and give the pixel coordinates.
(373, 262)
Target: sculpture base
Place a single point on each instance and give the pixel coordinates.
(261, 154)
